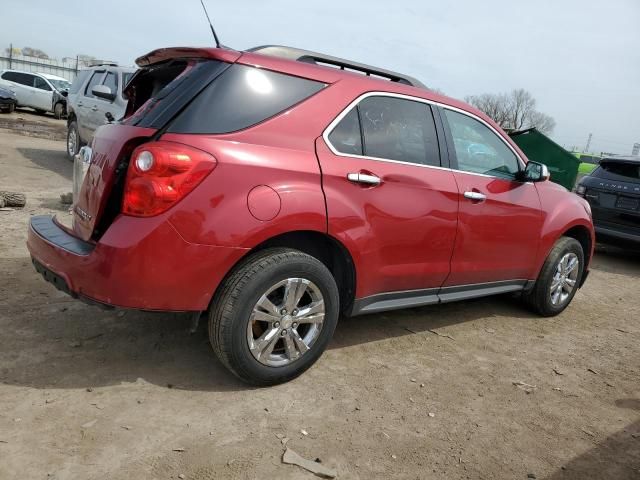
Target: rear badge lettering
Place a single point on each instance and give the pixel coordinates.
(82, 214)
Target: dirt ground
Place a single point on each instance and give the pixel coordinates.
(425, 393)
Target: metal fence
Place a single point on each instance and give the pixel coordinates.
(39, 65)
(66, 68)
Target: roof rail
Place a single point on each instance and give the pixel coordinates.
(307, 56)
(100, 63)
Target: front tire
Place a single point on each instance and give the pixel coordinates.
(58, 111)
(274, 316)
(559, 278)
(73, 140)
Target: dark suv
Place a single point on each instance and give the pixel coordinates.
(613, 191)
(276, 189)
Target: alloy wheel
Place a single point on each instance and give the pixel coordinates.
(285, 322)
(72, 142)
(565, 279)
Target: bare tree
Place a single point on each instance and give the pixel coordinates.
(34, 52)
(521, 105)
(495, 106)
(543, 122)
(515, 110)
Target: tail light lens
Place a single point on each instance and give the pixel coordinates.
(161, 174)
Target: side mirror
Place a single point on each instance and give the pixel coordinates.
(64, 93)
(534, 172)
(102, 91)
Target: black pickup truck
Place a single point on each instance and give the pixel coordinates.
(613, 191)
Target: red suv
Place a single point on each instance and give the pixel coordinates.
(278, 188)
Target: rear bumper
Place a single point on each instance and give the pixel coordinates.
(138, 263)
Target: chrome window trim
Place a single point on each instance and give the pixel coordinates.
(327, 131)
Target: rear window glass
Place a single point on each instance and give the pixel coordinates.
(149, 83)
(629, 170)
(242, 97)
(77, 83)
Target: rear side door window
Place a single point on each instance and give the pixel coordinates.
(389, 128)
(478, 149)
(399, 129)
(24, 79)
(95, 80)
(346, 137)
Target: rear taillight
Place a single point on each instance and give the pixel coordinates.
(161, 174)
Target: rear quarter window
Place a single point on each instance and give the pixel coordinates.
(19, 77)
(10, 76)
(240, 98)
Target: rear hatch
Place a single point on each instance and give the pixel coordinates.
(168, 79)
(613, 191)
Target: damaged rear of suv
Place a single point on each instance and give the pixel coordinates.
(160, 221)
(276, 189)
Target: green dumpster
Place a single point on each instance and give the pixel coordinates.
(562, 165)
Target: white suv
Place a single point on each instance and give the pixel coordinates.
(37, 90)
(94, 97)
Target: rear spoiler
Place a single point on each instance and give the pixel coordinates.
(163, 54)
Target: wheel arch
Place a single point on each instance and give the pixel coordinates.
(330, 251)
(583, 236)
(71, 117)
(55, 105)
(579, 230)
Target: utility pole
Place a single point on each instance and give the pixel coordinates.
(10, 55)
(586, 149)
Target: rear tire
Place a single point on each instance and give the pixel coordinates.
(558, 280)
(252, 332)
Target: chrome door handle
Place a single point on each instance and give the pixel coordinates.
(364, 178)
(475, 196)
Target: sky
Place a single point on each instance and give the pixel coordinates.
(579, 58)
